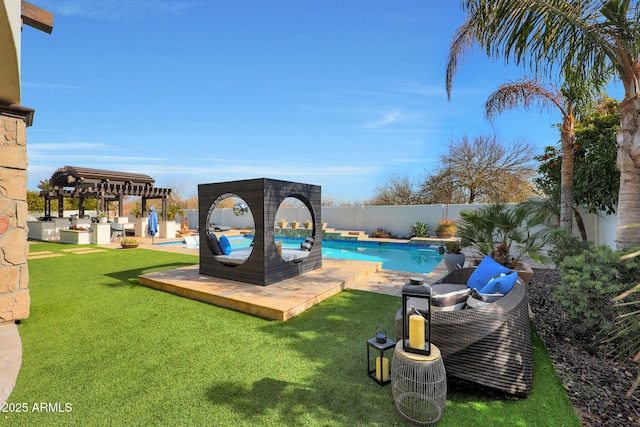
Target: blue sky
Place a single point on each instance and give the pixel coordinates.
(332, 93)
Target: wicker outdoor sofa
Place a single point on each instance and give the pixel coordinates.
(490, 345)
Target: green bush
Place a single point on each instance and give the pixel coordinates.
(589, 282)
(453, 247)
(565, 245)
(517, 230)
(419, 229)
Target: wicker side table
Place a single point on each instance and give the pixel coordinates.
(419, 385)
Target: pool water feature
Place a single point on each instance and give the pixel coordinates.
(414, 258)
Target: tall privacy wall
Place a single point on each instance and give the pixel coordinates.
(601, 228)
(14, 276)
(397, 220)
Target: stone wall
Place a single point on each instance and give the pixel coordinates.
(14, 275)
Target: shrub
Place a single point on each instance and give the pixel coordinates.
(589, 282)
(453, 247)
(380, 233)
(419, 229)
(513, 231)
(625, 336)
(565, 245)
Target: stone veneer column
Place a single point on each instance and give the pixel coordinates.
(14, 275)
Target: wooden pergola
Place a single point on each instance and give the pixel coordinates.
(104, 186)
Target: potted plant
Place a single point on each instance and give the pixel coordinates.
(295, 224)
(129, 243)
(507, 233)
(282, 223)
(453, 256)
(446, 229)
(308, 224)
(102, 218)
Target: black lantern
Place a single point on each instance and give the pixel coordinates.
(416, 317)
(381, 373)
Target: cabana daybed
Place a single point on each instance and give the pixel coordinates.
(265, 265)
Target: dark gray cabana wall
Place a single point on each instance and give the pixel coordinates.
(263, 196)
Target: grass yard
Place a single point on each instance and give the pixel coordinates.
(102, 350)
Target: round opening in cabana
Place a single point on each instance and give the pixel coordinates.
(230, 228)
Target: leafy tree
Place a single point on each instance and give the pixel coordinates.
(593, 40)
(481, 171)
(596, 179)
(35, 203)
(398, 190)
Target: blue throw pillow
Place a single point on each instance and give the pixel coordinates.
(225, 245)
(500, 285)
(214, 245)
(487, 270)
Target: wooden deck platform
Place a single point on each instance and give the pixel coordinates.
(279, 301)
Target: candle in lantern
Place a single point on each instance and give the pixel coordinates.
(416, 331)
(382, 370)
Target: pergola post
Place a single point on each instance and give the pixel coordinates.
(60, 206)
(81, 207)
(144, 206)
(120, 205)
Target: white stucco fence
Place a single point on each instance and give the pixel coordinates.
(397, 220)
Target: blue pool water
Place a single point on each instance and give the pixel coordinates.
(393, 256)
(403, 257)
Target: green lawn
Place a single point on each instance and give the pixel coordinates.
(102, 350)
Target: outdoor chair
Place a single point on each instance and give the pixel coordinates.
(489, 345)
(117, 230)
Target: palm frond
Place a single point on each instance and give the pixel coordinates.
(525, 92)
(545, 35)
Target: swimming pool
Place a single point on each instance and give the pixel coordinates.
(393, 256)
(413, 258)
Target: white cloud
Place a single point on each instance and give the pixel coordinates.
(386, 118)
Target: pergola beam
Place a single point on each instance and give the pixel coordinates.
(37, 17)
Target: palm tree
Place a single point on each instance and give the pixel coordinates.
(590, 40)
(527, 92)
